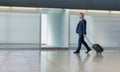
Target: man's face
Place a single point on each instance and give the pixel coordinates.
(81, 16)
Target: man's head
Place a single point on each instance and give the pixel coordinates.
(81, 15)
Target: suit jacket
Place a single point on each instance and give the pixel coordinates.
(81, 27)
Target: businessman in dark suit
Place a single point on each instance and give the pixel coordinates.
(81, 31)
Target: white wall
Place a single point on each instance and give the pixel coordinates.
(19, 27)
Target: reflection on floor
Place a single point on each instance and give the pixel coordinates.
(59, 61)
(19, 61)
(66, 61)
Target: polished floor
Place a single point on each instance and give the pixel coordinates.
(66, 61)
(59, 61)
(19, 61)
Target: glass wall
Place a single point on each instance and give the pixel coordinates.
(19, 29)
(54, 28)
(102, 28)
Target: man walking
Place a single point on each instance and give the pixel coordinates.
(81, 31)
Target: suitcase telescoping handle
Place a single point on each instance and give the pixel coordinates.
(88, 40)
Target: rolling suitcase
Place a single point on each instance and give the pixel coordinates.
(97, 48)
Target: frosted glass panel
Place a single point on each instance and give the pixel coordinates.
(24, 28)
(54, 28)
(19, 28)
(103, 29)
(4, 22)
(74, 19)
(106, 30)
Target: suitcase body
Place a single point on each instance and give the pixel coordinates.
(97, 48)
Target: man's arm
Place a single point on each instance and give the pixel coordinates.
(77, 30)
(84, 27)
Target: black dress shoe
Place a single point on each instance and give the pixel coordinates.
(88, 51)
(75, 52)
